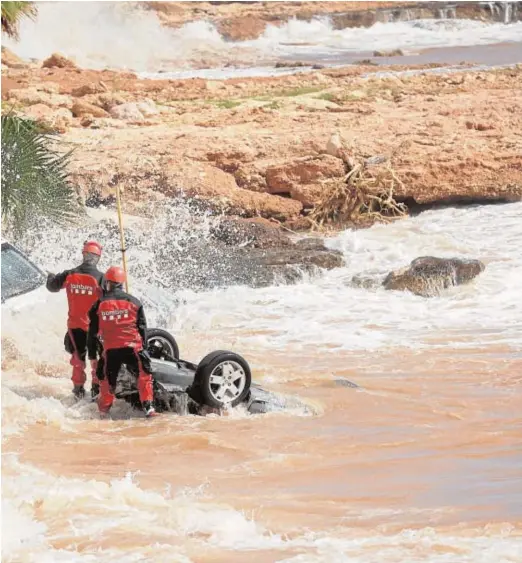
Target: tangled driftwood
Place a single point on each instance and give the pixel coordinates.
(364, 196)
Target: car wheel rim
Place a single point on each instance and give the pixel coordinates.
(227, 381)
(162, 344)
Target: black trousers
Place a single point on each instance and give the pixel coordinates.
(112, 360)
(76, 341)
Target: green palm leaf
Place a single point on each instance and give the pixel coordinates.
(12, 13)
(34, 177)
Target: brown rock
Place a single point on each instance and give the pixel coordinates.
(81, 109)
(59, 119)
(9, 59)
(219, 189)
(392, 53)
(127, 112)
(110, 99)
(334, 146)
(86, 89)
(231, 161)
(86, 121)
(58, 61)
(39, 112)
(241, 28)
(446, 162)
(31, 96)
(134, 111)
(250, 233)
(285, 177)
(429, 276)
(247, 177)
(314, 255)
(479, 126)
(49, 87)
(298, 224)
(310, 194)
(62, 120)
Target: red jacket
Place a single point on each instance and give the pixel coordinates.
(83, 287)
(119, 320)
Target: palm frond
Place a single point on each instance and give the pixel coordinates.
(34, 177)
(12, 13)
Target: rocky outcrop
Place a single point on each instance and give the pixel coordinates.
(429, 276)
(240, 21)
(87, 89)
(56, 60)
(39, 112)
(11, 60)
(219, 190)
(134, 111)
(277, 147)
(242, 28)
(250, 233)
(58, 119)
(234, 252)
(304, 254)
(41, 95)
(265, 245)
(392, 53)
(304, 179)
(81, 109)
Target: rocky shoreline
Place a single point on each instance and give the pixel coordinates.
(240, 21)
(315, 151)
(329, 148)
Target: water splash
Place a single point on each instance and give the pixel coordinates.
(317, 317)
(129, 37)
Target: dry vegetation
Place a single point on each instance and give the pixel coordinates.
(365, 196)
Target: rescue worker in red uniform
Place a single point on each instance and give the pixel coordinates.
(83, 286)
(118, 320)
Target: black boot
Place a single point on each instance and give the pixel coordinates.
(79, 392)
(95, 390)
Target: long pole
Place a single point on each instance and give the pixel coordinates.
(122, 237)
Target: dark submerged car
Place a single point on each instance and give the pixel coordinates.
(222, 380)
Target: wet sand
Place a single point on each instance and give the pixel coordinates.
(499, 54)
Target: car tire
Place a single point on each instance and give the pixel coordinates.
(165, 339)
(223, 379)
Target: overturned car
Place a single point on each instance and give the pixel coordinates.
(222, 380)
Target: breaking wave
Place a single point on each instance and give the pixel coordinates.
(128, 37)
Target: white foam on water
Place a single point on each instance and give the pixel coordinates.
(112, 34)
(80, 512)
(219, 73)
(319, 36)
(329, 311)
(324, 310)
(45, 510)
(122, 35)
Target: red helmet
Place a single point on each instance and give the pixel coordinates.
(93, 247)
(115, 274)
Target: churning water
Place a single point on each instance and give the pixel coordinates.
(420, 463)
(120, 35)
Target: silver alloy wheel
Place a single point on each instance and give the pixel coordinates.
(164, 344)
(227, 381)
